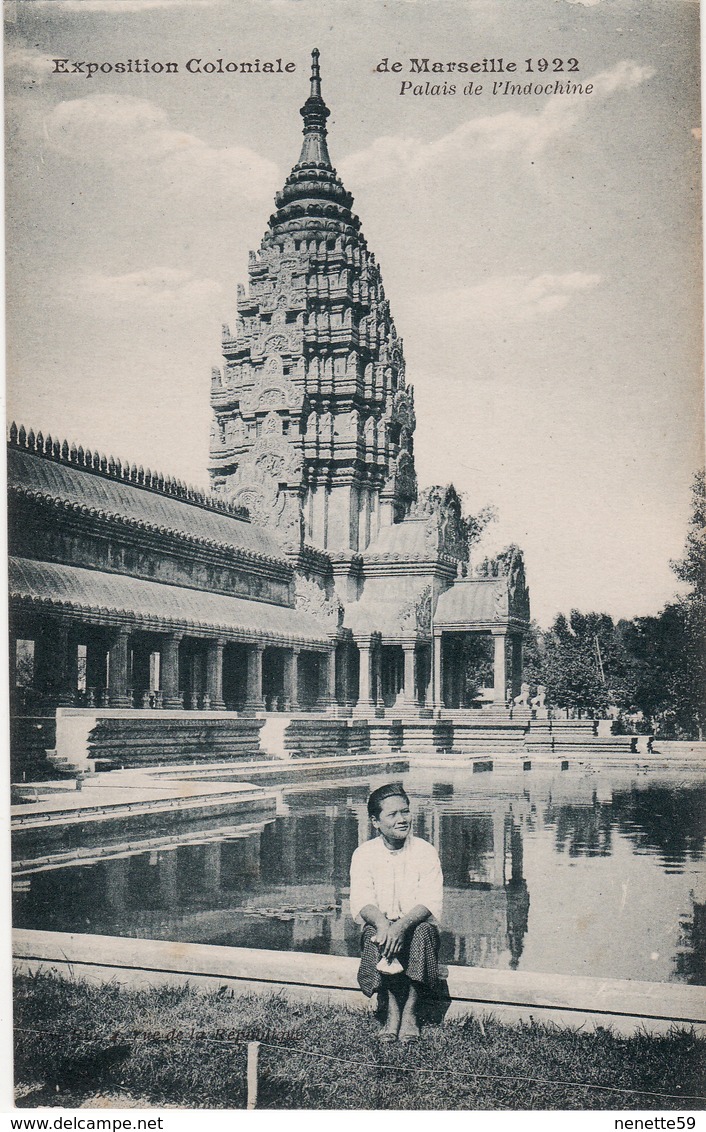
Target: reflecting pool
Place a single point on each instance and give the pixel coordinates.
(573, 873)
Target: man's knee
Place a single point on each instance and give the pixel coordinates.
(426, 930)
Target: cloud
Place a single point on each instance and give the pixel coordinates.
(124, 132)
(152, 287)
(511, 131)
(27, 64)
(518, 298)
(119, 7)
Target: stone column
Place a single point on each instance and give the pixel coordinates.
(12, 662)
(410, 691)
(70, 684)
(499, 679)
(67, 666)
(288, 850)
(499, 846)
(291, 679)
(365, 682)
(167, 880)
(118, 671)
(436, 666)
(116, 873)
(169, 670)
(254, 701)
(327, 679)
(214, 676)
(53, 666)
(517, 665)
(212, 867)
(345, 677)
(361, 813)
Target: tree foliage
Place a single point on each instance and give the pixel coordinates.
(652, 665)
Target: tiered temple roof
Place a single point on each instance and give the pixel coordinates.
(314, 422)
(72, 477)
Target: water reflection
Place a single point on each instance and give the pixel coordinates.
(690, 960)
(283, 883)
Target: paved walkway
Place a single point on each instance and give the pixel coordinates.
(123, 790)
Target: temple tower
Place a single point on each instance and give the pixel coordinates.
(314, 422)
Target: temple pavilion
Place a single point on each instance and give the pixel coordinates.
(315, 576)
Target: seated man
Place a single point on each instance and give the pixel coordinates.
(396, 893)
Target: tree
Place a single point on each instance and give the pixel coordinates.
(655, 665)
(583, 664)
(692, 567)
(665, 654)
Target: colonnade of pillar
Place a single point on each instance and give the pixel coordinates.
(123, 667)
(411, 679)
(506, 646)
(176, 670)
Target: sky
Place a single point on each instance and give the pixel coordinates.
(541, 253)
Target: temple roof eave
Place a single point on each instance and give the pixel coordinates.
(496, 625)
(97, 597)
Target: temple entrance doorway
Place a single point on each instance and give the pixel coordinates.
(467, 669)
(192, 672)
(145, 670)
(310, 676)
(273, 679)
(235, 676)
(391, 673)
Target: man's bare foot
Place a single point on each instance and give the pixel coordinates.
(409, 1031)
(409, 1027)
(391, 1028)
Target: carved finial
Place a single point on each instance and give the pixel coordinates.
(315, 112)
(315, 75)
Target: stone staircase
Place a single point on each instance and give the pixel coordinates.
(132, 742)
(31, 737)
(318, 738)
(574, 736)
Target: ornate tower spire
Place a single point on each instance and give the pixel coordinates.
(315, 112)
(314, 421)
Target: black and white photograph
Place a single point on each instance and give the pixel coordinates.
(356, 558)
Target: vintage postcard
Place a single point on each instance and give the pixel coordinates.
(356, 555)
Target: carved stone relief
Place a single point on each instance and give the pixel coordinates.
(415, 614)
(311, 598)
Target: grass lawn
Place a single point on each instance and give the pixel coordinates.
(79, 1044)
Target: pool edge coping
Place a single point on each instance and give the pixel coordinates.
(624, 1005)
